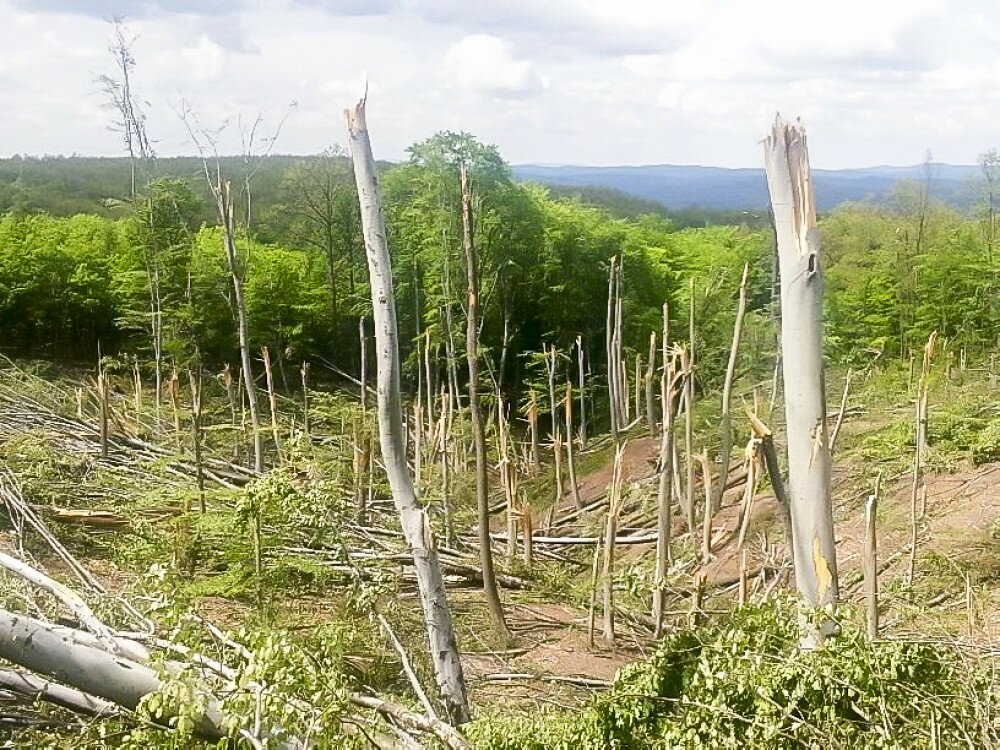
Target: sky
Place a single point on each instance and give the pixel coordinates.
(599, 82)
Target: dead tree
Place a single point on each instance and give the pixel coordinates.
(476, 414)
(786, 161)
(416, 526)
(237, 270)
(582, 386)
(615, 502)
(570, 453)
(726, 428)
(664, 496)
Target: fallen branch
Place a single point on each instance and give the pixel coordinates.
(584, 682)
(406, 718)
(35, 688)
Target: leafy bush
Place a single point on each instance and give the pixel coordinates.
(986, 447)
(744, 682)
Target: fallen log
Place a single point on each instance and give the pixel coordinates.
(35, 688)
(100, 518)
(53, 651)
(572, 540)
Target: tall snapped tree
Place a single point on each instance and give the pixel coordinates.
(786, 159)
(476, 414)
(414, 521)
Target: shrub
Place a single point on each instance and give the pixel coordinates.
(744, 682)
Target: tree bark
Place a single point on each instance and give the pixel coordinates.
(58, 652)
(476, 415)
(664, 497)
(789, 182)
(570, 454)
(581, 386)
(224, 200)
(726, 428)
(416, 526)
(610, 537)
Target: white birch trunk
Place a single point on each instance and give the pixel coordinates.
(416, 526)
(789, 182)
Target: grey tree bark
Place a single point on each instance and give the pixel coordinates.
(786, 161)
(60, 653)
(224, 201)
(416, 526)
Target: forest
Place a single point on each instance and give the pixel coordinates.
(323, 452)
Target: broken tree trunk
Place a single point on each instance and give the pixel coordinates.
(272, 401)
(581, 386)
(664, 504)
(476, 415)
(650, 391)
(789, 182)
(416, 526)
(610, 534)
(570, 455)
(726, 428)
(59, 652)
(871, 561)
(237, 270)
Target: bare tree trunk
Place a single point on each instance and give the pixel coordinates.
(506, 471)
(610, 532)
(620, 363)
(726, 442)
(871, 562)
(363, 374)
(224, 198)
(637, 384)
(57, 652)
(428, 380)
(272, 401)
(557, 443)
(689, 416)
(475, 412)
(446, 424)
(650, 397)
(581, 386)
(787, 165)
(102, 402)
(611, 353)
(918, 453)
(840, 411)
(664, 496)
(416, 527)
(304, 370)
(570, 462)
(533, 429)
(174, 386)
(137, 377)
(195, 383)
(706, 523)
(688, 441)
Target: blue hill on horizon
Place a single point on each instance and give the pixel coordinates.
(679, 187)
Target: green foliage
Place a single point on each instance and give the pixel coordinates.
(986, 445)
(744, 682)
(897, 272)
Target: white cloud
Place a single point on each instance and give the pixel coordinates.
(205, 60)
(676, 82)
(486, 63)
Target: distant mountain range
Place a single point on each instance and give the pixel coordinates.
(680, 187)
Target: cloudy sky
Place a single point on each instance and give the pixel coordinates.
(549, 81)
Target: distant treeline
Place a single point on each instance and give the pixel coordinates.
(68, 185)
(75, 267)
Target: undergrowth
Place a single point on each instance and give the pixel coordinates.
(744, 682)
